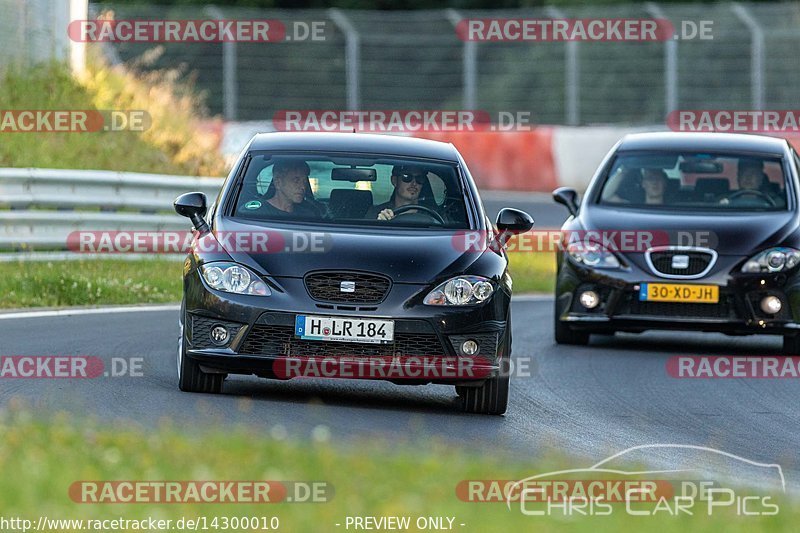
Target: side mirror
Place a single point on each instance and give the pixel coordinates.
(513, 221)
(568, 197)
(193, 206)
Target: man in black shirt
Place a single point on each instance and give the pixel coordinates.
(411, 185)
(289, 189)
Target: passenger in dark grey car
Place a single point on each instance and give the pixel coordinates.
(288, 193)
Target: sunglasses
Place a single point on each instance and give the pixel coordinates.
(421, 179)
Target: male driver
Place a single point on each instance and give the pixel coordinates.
(408, 181)
(753, 182)
(287, 192)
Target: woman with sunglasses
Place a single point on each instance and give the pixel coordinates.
(410, 186)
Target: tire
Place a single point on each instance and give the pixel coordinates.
(190, 377)
(566, 335)
(491, 398)
(791, 344)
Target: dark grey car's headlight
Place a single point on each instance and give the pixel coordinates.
(461, 290)
(592, 255)
(772, 260)
(231, 277)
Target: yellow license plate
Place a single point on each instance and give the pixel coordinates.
(673, 292)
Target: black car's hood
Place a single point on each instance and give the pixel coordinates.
(406, 256)
(730, 234)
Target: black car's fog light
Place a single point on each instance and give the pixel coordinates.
(771, 305)
(469, 347)
(589, 299)
(219, 335)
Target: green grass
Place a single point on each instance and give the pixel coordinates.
(175, 142)
(110, 282)
(89, 282)
(40, 459)
(532, 271)
(113, 282)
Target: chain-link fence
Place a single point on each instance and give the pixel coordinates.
(371, 60)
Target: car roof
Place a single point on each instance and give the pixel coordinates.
(355, 143)
(685, 141)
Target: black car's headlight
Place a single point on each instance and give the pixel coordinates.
(226, 276)
(461, 290)
(592, 255)
(773, 260)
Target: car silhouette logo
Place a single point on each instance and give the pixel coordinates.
(680, 262)
(347, 286)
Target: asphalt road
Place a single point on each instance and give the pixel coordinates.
(545, 212)
(590, 401)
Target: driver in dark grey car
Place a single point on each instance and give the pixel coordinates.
(411, 187)
(752, 180)
(754, 186)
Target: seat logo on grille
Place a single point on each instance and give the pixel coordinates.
(680, 262)
(347, 286)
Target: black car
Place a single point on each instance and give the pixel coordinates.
(338, 255)
(684, 231)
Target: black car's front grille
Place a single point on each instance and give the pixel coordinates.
(280, 340)
(348, 287)
(698, 262)
(631, 305)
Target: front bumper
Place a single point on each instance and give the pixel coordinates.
(737, 312)
(426, 347)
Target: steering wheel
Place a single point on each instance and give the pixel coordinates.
(752, 192)
(425, 211)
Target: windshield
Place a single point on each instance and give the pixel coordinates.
(341, 189)
(695, 180)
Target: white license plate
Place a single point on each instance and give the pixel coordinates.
(344, 329)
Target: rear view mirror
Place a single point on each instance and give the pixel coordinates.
(193, 206)
(568, 197)
(353, 174)
(701, 167)
(513, 221)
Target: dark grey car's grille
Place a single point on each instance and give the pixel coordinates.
(280, 340)
(631, 305)
(698, 262)
(327, 287)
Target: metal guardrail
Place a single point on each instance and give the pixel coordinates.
(39, 208)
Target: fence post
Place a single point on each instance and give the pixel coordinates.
(572, 76)
(352, 58)
(469, 64)
(24, 58)
(229, 80)
(78, 10)
(670, 63)
(756, 54)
